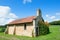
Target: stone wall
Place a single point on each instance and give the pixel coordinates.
(11, 30)
(19, 29)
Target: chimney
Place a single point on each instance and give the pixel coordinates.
(38, 12)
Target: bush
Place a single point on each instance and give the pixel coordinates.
(43, 28)
(2, 28)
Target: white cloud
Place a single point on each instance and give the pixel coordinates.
(5, 15)
(58, 14)
(56, 19)
(12, 15)
(4, 11)
(9, 20)
(25, 1)
(52, 17)
(47, 15)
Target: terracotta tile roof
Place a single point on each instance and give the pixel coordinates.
(23, 20)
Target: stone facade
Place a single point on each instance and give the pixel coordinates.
(19, 29)
(10, 30)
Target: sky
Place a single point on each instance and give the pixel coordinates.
(16, 9)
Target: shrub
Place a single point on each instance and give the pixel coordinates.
(43, 28)
(2, 28)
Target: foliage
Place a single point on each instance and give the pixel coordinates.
(2, 28)
(55, 22)
(46, 23)
(43, 28)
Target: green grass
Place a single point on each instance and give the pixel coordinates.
(53, 35)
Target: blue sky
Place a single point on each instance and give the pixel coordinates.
(23, 8)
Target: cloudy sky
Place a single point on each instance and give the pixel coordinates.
(15, 9)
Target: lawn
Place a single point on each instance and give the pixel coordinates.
(53, 35)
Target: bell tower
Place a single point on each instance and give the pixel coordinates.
(38, 12)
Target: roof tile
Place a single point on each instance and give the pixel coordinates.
(23, 20)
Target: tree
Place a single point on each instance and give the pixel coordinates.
(55, 22)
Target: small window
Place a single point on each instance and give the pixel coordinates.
(24, 26)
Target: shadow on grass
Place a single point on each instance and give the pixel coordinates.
(45, 34)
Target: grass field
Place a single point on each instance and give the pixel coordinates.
(53, 35)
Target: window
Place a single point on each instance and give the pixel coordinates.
(24, 26)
